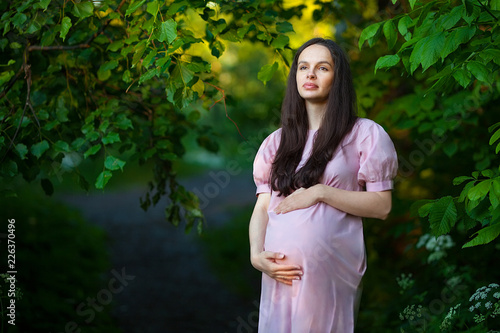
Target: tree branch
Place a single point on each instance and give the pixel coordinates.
(223, 98)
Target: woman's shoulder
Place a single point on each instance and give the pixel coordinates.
(362, 129)
(367, 127)
(365, 123)
(272, 140)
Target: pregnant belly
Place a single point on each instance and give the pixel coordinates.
(317, 238)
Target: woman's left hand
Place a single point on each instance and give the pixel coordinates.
(301, 198)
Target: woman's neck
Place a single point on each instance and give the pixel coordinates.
(315, 114)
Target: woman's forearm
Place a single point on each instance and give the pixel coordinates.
(258, 224)
(360, 203)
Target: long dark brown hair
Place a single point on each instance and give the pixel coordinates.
(337, 121)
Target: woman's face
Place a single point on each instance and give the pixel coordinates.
(315, 73)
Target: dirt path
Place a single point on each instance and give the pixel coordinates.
(172, 289)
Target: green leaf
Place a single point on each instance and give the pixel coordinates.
(39, 148)
(267, 71)
(115, 46)
(168, 31)
(417, 54)
(138, 52)
(133, 7)
(450, 148)
(479, 70)
(44, 4)
(22, 150)
(480, 190)
(484, 236)
(495, 137)
(425, 209)
(103, 179)
(368, 33)
(454, 39)
(153, 7)
(280, 42)
(65, 26)
(112, 137)
(443, 216)
(113, 163)
(465, 191)
(415, 208)
(109, 65)
(47, 186)
(92, 150)
(461, 179)
(432, 50)
(149, 74)
(449, 20)
(284, 27)
(61, 146)
(176, 6)
(390, 33)
(122, 122)
(491, 54)
(403, 24)
(231, 36)
(412, 3)
(83, 9)
(387, 61)
(61, 110)
(19, 19)
(462, 76)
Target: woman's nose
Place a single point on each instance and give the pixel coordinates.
(311, 75)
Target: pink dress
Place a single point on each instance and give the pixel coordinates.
(327, 243)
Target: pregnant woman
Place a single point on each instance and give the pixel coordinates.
(316, 177)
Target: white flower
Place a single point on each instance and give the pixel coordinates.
(478, 304)
(487, 305)
(493, 285)
(471, 309)
(496, 295)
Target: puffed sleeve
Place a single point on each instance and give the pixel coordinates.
(263, 162)
(378, 161)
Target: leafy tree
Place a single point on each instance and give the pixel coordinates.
(455, 45)
(112, 82)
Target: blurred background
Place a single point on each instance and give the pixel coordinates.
(96, 260)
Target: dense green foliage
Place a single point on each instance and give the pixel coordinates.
(61, 262)
(456, 44)
(447, 103)
(118, 82)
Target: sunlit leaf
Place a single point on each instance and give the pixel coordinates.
(168, 31)
(368, 33)
(266, 73)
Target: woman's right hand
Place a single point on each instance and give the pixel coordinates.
(268, 262)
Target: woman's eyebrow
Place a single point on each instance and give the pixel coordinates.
(319, 62)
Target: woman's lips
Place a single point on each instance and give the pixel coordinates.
(310, 86)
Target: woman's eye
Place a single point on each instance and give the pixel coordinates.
(302, 68)
(323, 68)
